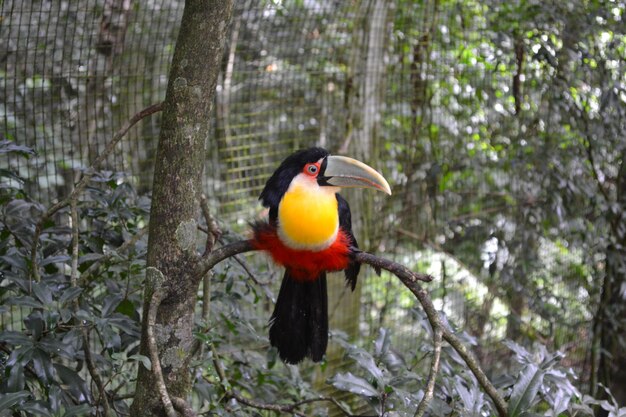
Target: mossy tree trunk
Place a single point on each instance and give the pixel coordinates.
(172, 248)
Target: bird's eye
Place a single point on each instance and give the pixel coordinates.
(311, 169)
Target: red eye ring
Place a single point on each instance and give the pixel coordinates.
(312, 169)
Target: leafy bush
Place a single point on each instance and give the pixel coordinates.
(47, 324)
(65, 344)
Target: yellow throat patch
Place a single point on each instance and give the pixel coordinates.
(308, 217)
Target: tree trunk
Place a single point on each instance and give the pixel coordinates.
(172, 249)
(612, 309)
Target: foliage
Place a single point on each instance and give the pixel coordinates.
(537, 385)
(43, 350)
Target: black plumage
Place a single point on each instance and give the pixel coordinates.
(299, 323)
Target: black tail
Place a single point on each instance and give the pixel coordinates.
(299, 324)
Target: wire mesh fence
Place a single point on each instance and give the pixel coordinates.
(416, 89)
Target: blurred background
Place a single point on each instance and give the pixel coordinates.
(499, 125)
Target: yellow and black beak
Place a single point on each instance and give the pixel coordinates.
(341, 171)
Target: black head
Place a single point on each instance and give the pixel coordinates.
(293, 165)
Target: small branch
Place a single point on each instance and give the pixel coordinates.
(206, 295)
(224, 252)
(472, 363)
(75, 238)
(79, 187)
(455, 342)
(213, 230)
(148, 111)
(206, 300)
(395, 268)
(432, 375)
(183, 407)
(155, 300)
(280, 408)
(240, 261)
(264, 406)
(93, 371)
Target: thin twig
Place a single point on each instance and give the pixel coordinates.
(75, 242)
(91, 367)
(206, 295)
(89, 172)
(432, 375)
(155, 300)
(93, 371)
(281, 408)
(592, 163)
(454, 341)
(183, 407)
(206, 300)
(213, 229)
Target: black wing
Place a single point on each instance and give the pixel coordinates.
(345, 222)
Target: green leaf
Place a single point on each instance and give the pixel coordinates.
(75, 384)
(26, 301)
(382, 343)
(70, 294)
(124, 324)
(78, 410)
(525, 390)
(5, 173)
(352, 383)
(16, 380)
(54, 259)
(42, 292)
(38, 408)
(90, 257)
(366, 361)
(9, 400)
(14, 338)
(43, 366)
(110, 304)
(145, 361)
(126, 307)
(6, 146)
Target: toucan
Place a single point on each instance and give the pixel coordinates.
(309, 232)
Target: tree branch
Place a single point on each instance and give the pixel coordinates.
(79, 187)
(216, 256)
(155, 300)
(410, 279)
(91, 367)
(455, 342)
(183, 407)
(213, 230)
(432, 375)
(395, 268)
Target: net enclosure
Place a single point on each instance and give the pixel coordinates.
(499, 126)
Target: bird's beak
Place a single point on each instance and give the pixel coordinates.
(342, 171)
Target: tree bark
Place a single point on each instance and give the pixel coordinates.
(172, 248)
